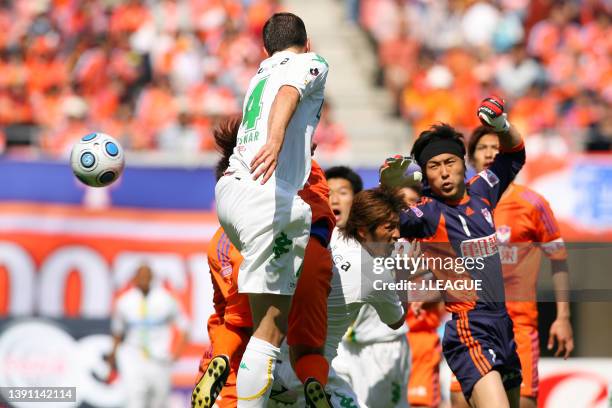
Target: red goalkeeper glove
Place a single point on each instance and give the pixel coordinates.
(491, 113)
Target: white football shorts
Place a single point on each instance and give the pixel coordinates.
(270, 225)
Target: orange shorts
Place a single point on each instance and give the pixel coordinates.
(308, 314)
(424, 383)
(238, 311)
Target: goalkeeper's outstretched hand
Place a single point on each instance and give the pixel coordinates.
(400, 171)
(491, 112)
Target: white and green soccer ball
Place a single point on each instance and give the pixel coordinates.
(97, 159)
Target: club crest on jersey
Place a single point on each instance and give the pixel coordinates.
(479, 247)
(487, 215)
(489, 177)
(226, 271)
(503, 234)
(314, 71)
(417, 211)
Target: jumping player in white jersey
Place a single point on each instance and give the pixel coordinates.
(257, 201)
(370, 231)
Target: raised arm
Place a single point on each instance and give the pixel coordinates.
(492, 113)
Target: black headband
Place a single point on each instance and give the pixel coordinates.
(440, 146)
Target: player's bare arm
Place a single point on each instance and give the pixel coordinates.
(284, 105)
(561, 329)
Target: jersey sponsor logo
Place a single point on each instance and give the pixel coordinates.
(487, 215)
(490, 177)
(479, 247)
(503, 234)
(417, 211)
(340, 263)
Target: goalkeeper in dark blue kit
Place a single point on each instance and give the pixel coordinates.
(478, 342)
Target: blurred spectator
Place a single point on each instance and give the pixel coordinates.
(180, 135)
(516, 72)
(58, 141)
(330, 137)
(600, 134)
(479, 23)
(550, 59)
(118, 66)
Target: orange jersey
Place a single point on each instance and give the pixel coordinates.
(427, 320)
(523, 216)
(316, 194)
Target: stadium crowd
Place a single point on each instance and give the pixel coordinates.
(156, 74)
(551, 59)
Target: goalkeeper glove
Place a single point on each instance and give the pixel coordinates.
(491, 113)
(400, 171)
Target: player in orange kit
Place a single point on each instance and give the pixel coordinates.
(526, 227)
(426, 351)
(230, 326)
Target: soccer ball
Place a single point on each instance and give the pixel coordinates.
(97, 159)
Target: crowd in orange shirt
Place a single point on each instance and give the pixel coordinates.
(155, 74)
(550, 59)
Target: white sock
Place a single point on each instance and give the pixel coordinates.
(256, 374)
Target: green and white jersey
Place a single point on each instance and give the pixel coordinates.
(368, 328)
(351, 290)
(305, 72)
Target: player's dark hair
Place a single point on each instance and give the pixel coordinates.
(417, 188)
(442, 135)
(372, 208)
(346, 173)
(477, 134)
(282, 31)
(225, 135)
